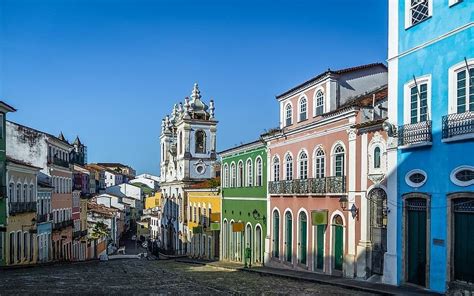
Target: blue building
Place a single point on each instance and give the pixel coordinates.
(431, 151)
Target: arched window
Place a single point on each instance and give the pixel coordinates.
(233, 175)
(258, 181)
(303, 240)
(319, 164)
(288, 115)
(240, 174)
(319, 103)
(25, 193)
(11, 192)
(19, 198)
(276, 169)
(249, 173)
(377, 157)
(289, 167)
(200, 142)
(180, 142)
(226, 176)
(339, 161)
(303, 166)
(288, 237)
(303, 109)
(276, 234)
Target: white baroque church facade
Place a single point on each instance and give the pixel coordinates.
(188, 156)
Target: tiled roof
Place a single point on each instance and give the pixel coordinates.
(328, 72)
(19, 162)
(7, 106)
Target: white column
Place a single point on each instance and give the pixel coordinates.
(267, 255)
(350, 260)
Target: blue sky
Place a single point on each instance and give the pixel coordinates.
(110, 70)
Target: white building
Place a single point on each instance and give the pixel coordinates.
(149, 180)
(188, 155)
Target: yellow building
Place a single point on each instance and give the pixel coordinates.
(203, 216)
(153, 201)
(21, 231)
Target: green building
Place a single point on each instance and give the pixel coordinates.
(4, 109)
(244, 202)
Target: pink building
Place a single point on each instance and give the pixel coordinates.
(326, 164)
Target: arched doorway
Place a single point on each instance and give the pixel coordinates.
(288, 237)
(209, 248)
(258, 244)
(338, 246)
(276, 235)
(416, 212)
(462, 232)
(378, 228)
(248, 240)
(225, 240)
(302, 238)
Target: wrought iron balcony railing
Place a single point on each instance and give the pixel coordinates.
(458, 124)
(43, 218)
(60, 162)
(22, 207)
(416, 133)
(309, 186)
(80, 233)
(63, 224)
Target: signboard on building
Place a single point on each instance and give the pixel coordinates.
(238, 227)
(319, 217)
(215, 226)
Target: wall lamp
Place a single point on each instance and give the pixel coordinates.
(344, 202)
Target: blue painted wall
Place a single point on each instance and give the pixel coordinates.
(440, 159)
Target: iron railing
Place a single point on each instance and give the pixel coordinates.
(80, 233)
(416, 133)
(41, 218)
(458, 124)
(63, 224)
(60, 162)
(22, 207)
(309, 186)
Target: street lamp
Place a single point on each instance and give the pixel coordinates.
(344, 202)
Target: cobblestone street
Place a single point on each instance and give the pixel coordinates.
(152, 277)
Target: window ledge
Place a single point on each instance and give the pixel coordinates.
(458, 138)
(455, 3)
(416, 145)
(411, 26)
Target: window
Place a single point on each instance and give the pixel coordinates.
(1, 126)
(303, 166)
(288, 237)
(25, 193)
(226, 176)
(11, 192)
(288, 114)
(418, 11)
(258, 182)
(276, 169)
(232, 175)
(465, 91)
(339, 161)
(240, 174)
(419, 103)
(180, 142)
(249, 173)
(303, 108)
(303, 240)
(377, 157)
(463, 175)
(319, 164)
(19, 198)
(416, 178)
(289, 167)
(18, 246)
(319, 103)
(200, 142)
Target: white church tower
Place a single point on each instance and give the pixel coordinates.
(188, 155)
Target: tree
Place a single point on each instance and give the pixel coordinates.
(100, 230)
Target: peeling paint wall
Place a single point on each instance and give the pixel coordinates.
(27, 145)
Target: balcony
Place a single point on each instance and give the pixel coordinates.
(321, 186)
(459, 126)
(22, 207)
(79, 234)
(63, 224)
(42, 218)
(60, 162)
(414, 135)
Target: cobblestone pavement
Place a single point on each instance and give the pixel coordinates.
(140, 277)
